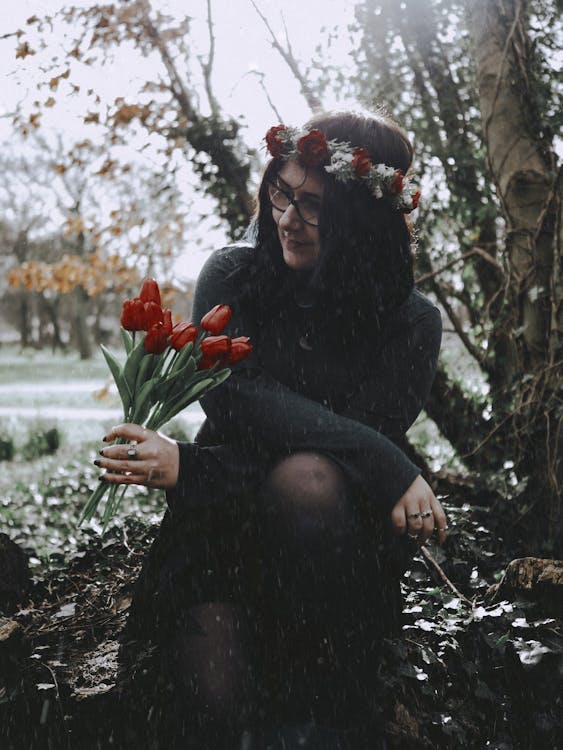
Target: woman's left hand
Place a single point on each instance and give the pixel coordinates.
(148, 458)
(418, 513)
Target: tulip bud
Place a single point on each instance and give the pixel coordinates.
(216, 319)
(150, 292)
(215, 347)
(133, 316)
(154, 315)
(182, 334)
(156, 339)
(240, 349)
(167, 321)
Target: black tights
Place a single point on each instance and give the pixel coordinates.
(305, 651)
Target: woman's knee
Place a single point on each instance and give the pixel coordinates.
(307, 485)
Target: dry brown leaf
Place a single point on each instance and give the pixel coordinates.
(24, 50)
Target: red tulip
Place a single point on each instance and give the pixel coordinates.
(205, 363)
(182, 334)
(216, 319)
(156, 339)
(240, 348)
(150, 292)
(154, 314)
(215, 347)
(133, 317)
(167, 321)
(416, 199)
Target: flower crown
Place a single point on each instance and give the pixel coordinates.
(346, 162)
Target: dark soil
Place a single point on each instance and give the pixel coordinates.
(464, 673)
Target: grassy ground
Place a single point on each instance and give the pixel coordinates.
(31, 366)
(463, 674)
(41, 498)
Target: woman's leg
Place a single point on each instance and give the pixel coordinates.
(213, 677)
(323, 582)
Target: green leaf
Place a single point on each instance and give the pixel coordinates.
(127, 340)
(143, 402)
(132, 365)
(184, 354)
(176, 406)
(93, 501)
(120, 381)
(177, 378)
(143, 372)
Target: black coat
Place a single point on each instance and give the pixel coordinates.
(293, 394)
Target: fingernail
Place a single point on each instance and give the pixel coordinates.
(101, 452)
(97, 463)
(104, 439)
(102, 478)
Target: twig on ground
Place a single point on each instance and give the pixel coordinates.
(430, 559)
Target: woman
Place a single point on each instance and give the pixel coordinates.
(275, 574)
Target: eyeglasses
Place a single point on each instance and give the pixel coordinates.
(307, 208)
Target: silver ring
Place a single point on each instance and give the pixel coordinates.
(426, 514)
(444, 528)
(132, 451)
(412, 536)
(413, 515)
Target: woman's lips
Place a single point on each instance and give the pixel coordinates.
(291, 242)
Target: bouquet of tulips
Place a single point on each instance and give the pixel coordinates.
(167, 367)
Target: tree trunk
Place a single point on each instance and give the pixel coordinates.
(80, 332)
(24, 319)
(523, 166)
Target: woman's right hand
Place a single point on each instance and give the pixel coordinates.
(148, 458)
(418, 513)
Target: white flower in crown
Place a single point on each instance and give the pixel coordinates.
(344, 162)
(341, 164)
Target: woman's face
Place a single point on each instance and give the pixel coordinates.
(299, 238)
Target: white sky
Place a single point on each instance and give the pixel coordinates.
(242, 45)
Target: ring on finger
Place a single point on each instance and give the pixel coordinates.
(413, 536)
(413, 515)
(426, 514)
(132, 451)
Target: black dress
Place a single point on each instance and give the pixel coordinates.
(293, 394)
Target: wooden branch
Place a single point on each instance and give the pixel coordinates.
(179, 91)
(476, 353)
(496, 428)
(430, 559)
(474, 251)
(311, 98)
(207, 65)
(262, 85)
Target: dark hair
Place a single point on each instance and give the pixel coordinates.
(365, 267)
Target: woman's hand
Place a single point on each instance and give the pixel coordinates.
(419, 514)
(149, 458)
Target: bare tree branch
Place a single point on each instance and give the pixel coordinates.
(261, 81)
(476, 353)
(207, 65)
(474, 251)
(311, 98)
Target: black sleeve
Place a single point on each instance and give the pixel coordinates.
(269, 414)
(391, 400)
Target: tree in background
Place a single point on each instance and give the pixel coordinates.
(102, 223)
(175, 111)
(472, 81)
